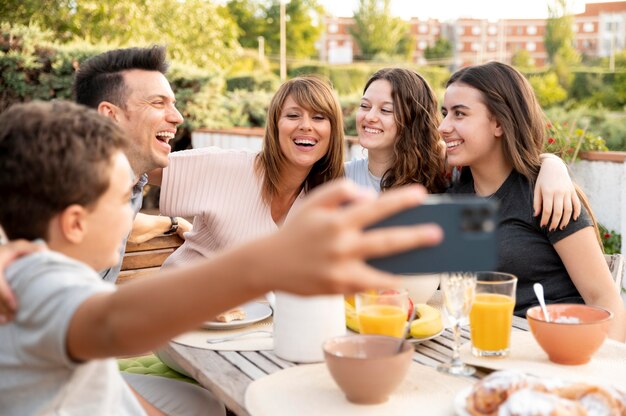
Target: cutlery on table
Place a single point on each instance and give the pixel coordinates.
(538, 288)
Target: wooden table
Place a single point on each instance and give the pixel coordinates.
(228, 373)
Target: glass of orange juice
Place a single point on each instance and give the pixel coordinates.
(382, 312)
(491, 315)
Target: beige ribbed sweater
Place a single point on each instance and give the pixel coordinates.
(222, 191)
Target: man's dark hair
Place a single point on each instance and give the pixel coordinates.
(52, 155)
(100, 77)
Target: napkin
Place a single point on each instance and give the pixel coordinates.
(607, 366)
(310, 390)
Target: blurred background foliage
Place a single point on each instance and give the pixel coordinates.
(223, 79)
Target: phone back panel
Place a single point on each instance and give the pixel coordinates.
(469, 242)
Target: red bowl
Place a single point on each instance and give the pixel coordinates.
(567, 342)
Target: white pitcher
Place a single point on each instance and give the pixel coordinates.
(303, 323)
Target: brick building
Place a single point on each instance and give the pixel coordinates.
(599, 31)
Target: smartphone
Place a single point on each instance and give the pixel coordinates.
(469, 241)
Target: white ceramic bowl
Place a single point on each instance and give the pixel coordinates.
(421, 287)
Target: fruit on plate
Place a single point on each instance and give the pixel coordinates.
(352, 321)
(427, 321)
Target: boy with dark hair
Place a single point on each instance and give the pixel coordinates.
(67, 181)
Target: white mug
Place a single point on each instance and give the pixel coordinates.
(303, 323)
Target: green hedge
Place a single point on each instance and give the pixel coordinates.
(350, 79)
(599, 88)
(32, 67)
(254, 82)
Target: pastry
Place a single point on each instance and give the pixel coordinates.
(235, 314)
(595, 399)
(528, 402)
(488, 394)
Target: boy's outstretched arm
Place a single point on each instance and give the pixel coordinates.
(321, 249)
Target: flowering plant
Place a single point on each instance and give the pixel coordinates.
(611, 240)
(568, 141)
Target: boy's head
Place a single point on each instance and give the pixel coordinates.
(64, 179)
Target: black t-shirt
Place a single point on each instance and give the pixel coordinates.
(524, 248)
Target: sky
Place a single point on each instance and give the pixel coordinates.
(452, 9)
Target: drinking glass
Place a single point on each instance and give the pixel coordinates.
(458, 294)
(492, 314)
(382, 312)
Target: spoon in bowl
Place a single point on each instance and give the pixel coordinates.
(406, 329)
(538, 288)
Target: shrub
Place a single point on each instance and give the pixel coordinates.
(611, 240)
(597, 88)
(267, 82)
(611, 126)
(567, 141)
(547, 88)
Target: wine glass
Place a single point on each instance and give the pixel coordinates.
(458, 295)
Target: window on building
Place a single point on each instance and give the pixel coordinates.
(531, 46)
(520, 30)
(422, 28)
(333, 28)
(491, 45)
(460, 30)
(531, 30)
(476, 30)
(475, 46)
(588, 27)
(492, 30)
(422, 44)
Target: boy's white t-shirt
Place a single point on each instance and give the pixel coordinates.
(37, 375)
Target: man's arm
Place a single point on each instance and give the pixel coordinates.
(146, 227)
(321, 249)
(8, 253)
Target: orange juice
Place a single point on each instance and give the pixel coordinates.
(382, 319)
(490, 321)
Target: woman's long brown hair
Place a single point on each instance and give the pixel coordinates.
(418, 157)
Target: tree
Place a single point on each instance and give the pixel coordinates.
(522, 59)
(195, 31)
(440, 50)
(559, 40)
(377, 32)
(54, 15)
(262, 18)
(304, 26)
(250, 17)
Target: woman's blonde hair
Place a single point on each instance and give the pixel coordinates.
(315, 94)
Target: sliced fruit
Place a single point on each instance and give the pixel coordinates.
(352, 321)
(427, 321)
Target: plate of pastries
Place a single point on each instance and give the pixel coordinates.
(509, 393)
